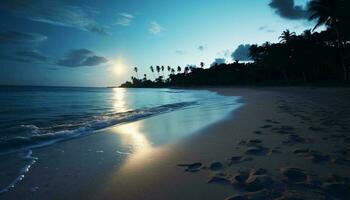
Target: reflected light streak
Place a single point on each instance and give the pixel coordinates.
(119, 100)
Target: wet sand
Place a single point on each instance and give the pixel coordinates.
(283, 142)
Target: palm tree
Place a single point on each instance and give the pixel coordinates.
(136, 70)
(172, 71)
(162, 68)
(158, 69)
(178, 69)
(145, 77)
(307, 35)
(152, 70)
(332, 13)
(202, 65)
(287, 36)
(186, 70)
(169, 70)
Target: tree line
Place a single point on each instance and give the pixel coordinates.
(308, 57)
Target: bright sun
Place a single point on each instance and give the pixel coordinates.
(118, 67)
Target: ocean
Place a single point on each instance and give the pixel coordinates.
(35, 117)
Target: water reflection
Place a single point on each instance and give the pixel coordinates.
(140, 150)
(131, 135)
(120, 103)
(146, 140)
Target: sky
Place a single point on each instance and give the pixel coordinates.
(98, 43)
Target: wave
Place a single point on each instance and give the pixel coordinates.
(24, 170)
(43, 136)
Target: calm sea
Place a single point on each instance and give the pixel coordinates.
(32, 117)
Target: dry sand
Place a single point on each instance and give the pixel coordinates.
(283, 142)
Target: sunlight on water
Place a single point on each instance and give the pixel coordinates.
(131, 135)
(119, 100)
(140, 148)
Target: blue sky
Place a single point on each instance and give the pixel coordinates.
(98, 43)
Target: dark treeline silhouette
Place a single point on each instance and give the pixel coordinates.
(308, 57)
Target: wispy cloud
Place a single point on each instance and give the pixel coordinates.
(125, 19)
(155, 28)
(55, 12)
(81, 57)
(14, 37)
(266, 29)
(26, 56)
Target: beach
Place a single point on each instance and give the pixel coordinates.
(281, 142)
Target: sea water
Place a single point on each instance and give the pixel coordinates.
(35, 117)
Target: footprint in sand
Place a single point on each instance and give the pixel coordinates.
(239, 159)
(257, 150)
(295, 139)
(257, 132)
(338, 187)
(316, 157)
(266, 126)
(294, 175)
(216, 166)
(193, 167)
(253, 180)
(219, 178)
(272, 121)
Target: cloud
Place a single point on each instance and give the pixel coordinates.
(81, 57)
(54, 12)
(242, 53)
(201, 48)
(125, 19)
(288, 10)
(266, 29)
(155, 28)
(14, 37)
(34, 55)
(218, 61)
(27, 56)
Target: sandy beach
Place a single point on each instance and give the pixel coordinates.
(282, 142)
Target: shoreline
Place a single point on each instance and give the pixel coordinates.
(68, 171)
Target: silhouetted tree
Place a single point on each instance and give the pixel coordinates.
(186, 70)
(307, 57)
(178, 69)
(287, 36)
(136, 70)
(152, 70)
(202, 65)
(334, 14)
(162, 68)
(158, 69)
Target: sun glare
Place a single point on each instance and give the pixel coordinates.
(118, 67)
